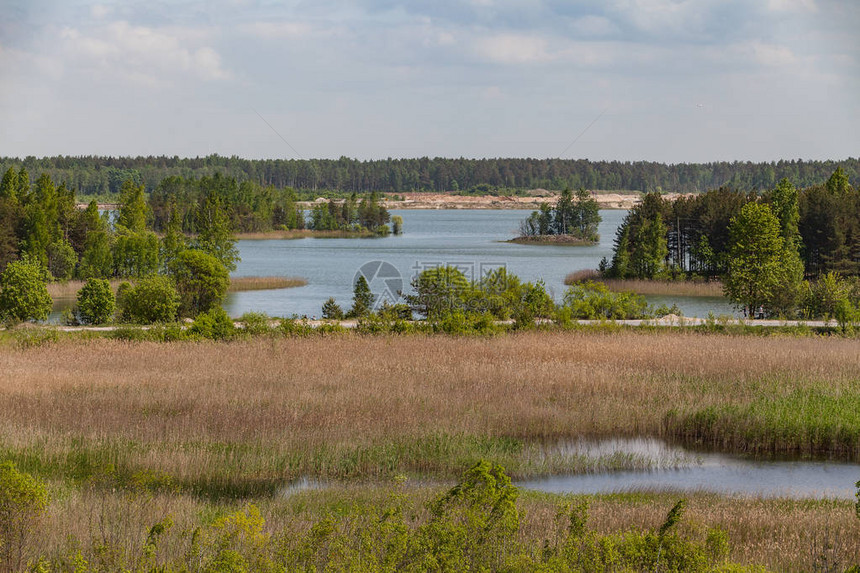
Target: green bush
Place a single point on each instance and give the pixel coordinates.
(594, 301)
(23, 499)
(24, 292)
(95, 302)
(213, 324)
(255, 323)
(331, 310)
(153, 299)
(201, 279)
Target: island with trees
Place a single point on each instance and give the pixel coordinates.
(573, 221)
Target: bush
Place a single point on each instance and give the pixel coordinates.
(255, 323)
(594, 301)
(214, 324)
(24, 292)
(201, 279)
(23, 499)
(96, 302)
(153, 299)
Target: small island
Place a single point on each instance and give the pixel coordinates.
(572, 222)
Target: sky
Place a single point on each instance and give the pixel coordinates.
(674, 81)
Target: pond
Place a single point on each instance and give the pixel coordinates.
(473, 240)
(676, 469)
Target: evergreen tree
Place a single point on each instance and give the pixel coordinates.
(362, 299)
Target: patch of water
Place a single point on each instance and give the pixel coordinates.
(677, 469)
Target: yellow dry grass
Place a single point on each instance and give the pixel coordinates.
(239, 284)
(650, 287)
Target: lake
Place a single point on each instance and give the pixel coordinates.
(473, 240)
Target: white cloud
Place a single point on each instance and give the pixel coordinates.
(141, 54)
(100, 11)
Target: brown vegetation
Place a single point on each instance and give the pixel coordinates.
(650, 287)
(240, 284)
(303, 234)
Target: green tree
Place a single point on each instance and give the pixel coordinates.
(362, 299)
(755, 257)
(134, 254)
(95, 302)
(438, 291)
(97, 258)
(61, 260)
(24, 292)
(201, 279)
(215, 231)
(133, 209)
(783, 202)
(331, 310)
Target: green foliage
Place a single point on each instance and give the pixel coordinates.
(134, 253)
(807, 422)
(214, 324)
(24, 292)
(362, 299)
(594, 301)
(576, 216)
(23, 500)
(761, 270)
(97, 258)
(152, 299)
(825, 295)
(331, 310)
(201, 280)
(215, 230)
(62, 260)
(397, 225)
(256, 324)
(133, 210)
(439, 290)
(95, 302)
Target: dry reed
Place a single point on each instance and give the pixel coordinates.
(239, 284)
(650, 287)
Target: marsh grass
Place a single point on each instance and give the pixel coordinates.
(242, 418)
(650, 287)
(240, 284)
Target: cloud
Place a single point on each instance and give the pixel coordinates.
(143, 54)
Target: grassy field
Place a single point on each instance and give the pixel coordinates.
(204, 428)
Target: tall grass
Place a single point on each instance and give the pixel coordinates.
(650, 287)
(232, 419)
(239, 284)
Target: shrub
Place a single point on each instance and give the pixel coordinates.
(214, 324)
(201, 280)
(153, 299)
(96, 302)
(24, 292)
(255, 323)
(23, 499)
(591, 300)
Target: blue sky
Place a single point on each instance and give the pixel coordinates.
(663, 80)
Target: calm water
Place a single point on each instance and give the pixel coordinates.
(716, 473)
(470, 239)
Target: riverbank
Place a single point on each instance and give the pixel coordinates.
(530, 200)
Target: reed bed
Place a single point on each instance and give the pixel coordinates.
(650, 287)
(303, 234)
(69, 289)
(240, 284)
(228, 419)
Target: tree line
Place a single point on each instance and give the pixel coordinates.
(98, 175)
(762, 245)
